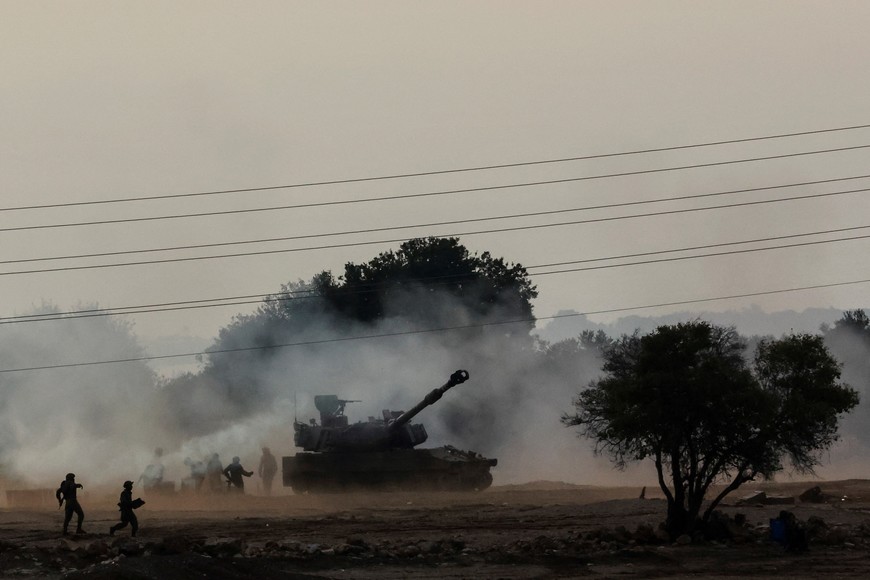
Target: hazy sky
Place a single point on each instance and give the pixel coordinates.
(108, 100)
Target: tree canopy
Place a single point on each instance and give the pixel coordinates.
(687, 397)
(427, 266)
(852, 320)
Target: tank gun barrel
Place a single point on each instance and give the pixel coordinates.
(456, 378)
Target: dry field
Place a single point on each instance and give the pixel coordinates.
(538, 530)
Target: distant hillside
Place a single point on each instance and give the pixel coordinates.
(749, 321)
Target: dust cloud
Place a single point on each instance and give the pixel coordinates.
(850, 344)
(103, 422)
(85, 419)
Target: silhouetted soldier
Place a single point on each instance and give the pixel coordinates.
(197, 472)
(213, 471)
(267, 470)
(152, 477)
(234, 472)
(67, 492)
(127, 504)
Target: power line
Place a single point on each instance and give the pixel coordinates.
(430, 330)
(395, 240)
(439, 172)
(717, 245)
(146, 308)
(298, 295)
(452, 222)
(710, 255)
(450, 192)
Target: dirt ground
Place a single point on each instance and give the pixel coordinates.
(537, 530)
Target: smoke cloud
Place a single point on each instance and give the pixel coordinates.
(94, 419)
(103, 422)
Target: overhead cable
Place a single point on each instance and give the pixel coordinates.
(397, 240)
(452, 222)
(387, 335)
(441, 171)
(298, 295)
(450, 192)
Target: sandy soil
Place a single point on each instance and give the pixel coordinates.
(538, 530)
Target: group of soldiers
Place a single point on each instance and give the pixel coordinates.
(211, 470)
(210, 475)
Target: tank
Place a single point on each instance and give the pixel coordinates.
(379, 454)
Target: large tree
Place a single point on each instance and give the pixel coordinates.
(686, 397)
(396, 283)
(426, 284)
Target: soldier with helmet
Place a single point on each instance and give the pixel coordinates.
(67, 493)
(234, 472)
(127, 504)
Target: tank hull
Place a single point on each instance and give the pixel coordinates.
(438, 469)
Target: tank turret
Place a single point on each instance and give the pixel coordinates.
(393, 430)
(379, 453)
